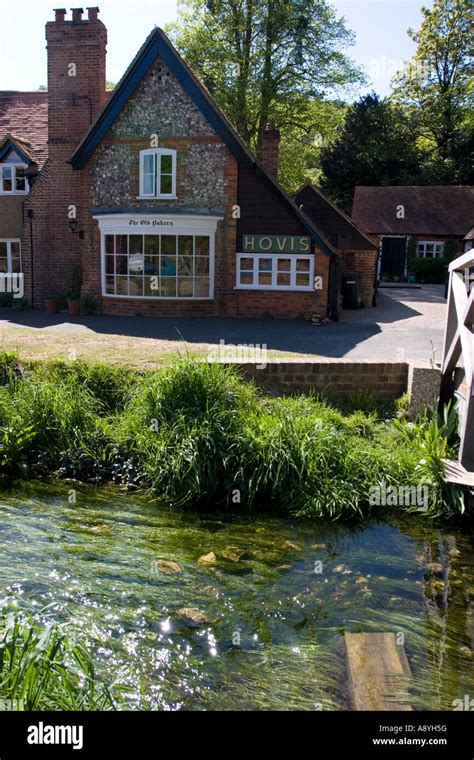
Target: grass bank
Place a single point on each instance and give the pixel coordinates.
(196, 435)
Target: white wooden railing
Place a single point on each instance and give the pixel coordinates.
(459, 347)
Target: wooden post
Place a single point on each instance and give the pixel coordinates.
(379, 673)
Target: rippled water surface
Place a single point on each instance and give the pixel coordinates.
(260, 626)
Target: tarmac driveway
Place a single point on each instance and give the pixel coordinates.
(406, 325)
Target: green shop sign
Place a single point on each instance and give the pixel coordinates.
(276, 244)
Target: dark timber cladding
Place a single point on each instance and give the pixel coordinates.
(262, 210)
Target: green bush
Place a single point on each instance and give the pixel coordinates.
(196, 435)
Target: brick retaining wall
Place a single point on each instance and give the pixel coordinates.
(386, 380)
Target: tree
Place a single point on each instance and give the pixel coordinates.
(303, 140)
(436, 89)
(255, 55)
(376, 146)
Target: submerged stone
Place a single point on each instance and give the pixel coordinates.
(167, 567)
(207, 559)
(194, 616)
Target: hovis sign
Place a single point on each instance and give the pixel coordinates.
(276, 244)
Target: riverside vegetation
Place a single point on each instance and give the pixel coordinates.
(197, 436)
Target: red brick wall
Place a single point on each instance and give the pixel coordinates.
(364, 262)
(73, 103)
(385, 380)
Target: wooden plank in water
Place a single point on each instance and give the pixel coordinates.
(379, 672)
(454, 472)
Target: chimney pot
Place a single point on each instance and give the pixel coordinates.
(77, 14)
(92, 13)
(60, 14)
(270, 148)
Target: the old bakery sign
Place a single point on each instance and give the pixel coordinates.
(276, 244)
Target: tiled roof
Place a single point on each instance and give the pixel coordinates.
(331, 219)
(24, 116)
(431, 210)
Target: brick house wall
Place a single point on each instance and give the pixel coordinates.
(210, 181)
(364, 262)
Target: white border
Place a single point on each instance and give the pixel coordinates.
(274, 286)
(120, 224)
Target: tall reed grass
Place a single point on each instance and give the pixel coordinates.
(196, 435)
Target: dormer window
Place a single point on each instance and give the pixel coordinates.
(158, 173)
(13, 179)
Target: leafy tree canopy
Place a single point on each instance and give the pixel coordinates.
(265, 60)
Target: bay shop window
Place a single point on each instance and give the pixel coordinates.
(142, 260)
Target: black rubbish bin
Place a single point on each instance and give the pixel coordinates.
(352, 291)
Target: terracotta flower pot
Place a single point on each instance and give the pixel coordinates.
(74, 306)
(51, 305)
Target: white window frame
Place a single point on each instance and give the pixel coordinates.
(124, 224)
(9, 242)
(13, 168)
(158, 153)
(294, 257)
(421, 254)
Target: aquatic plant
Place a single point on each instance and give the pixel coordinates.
(47, 668)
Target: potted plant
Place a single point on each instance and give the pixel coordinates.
(72, 289)
(51, 304)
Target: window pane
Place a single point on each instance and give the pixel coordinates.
(121, 284)
(166, 185)
(246, 265)
(121, 264)
(185, 266)
(152, 265)
(15, 246)
(185, 287)
(185, 245)
(284, 265)
(202, 246)
(201, 287)
(149, 163)
(265, 278)
(135, 286)
(202, 265)
(109, 243)
(135, 244)
(16, 264)
(151, 286)
(148, 184)
(3, 249)
(20, 183)
(166, 164)
(168, 287)
(121, 243)
(110, 284)
(302, 265)
(7, 179)
(283, 279)
(135, 263)
(265, 265)
(109, 264)
(168, 266)
(168, 245)
(152, 244)
(246, 279)
(3, 265)
(302, 280)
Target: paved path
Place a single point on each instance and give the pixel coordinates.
(406, 325)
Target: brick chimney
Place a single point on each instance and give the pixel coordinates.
(76, 75)
(270, 149)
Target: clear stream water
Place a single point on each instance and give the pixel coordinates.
(259, 628)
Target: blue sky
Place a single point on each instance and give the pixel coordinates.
(380, 27)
